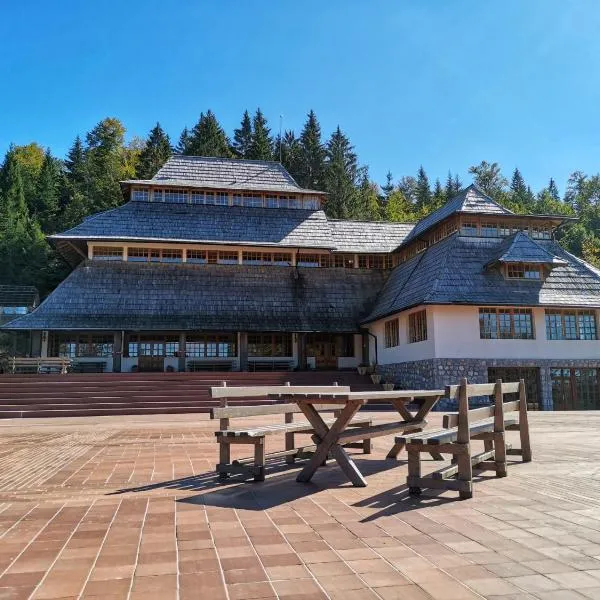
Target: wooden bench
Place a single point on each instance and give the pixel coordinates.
(255, 466)
(488, 423)
(92, 366)
(209, 365)
(39, 365)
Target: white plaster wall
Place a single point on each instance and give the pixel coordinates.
(404, 352)
(456, 335)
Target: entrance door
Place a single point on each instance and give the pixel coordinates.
(531, 375)
(151, 357)
(323, 348)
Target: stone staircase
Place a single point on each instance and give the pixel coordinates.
(74, 395)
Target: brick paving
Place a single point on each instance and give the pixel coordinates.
(129, 508)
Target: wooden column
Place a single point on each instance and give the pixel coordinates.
(301, 351)
(117, 351)
(44, 344)
(365, 348)
(243, 351)
(182, 353)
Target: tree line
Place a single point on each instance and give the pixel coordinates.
(42, 194)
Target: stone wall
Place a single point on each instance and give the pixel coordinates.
(439, 372)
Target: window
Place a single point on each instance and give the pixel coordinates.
(108, 253)
(392, 333)
(197, 197)
(523, 271)
(575, 389)
(157, 195)
(282, 259)
(489, 230)
(540, 232)
(374, 261)
(295, 202)
(417, 327)
(468, 228)
(237, 199)
(140, 194)
(210, 346)
(506, 324)
(227, 258)
(252, 200)
(209, 198)
(308, 260)
(222, 199)
(176, 196)
(343, 261)
(196, 256)
(507, 229)
(82, 345)
(172, 255)
(257, 258)
(571, 325)
(311, 203)
(14, 310)
(271, 201)
(267, 344)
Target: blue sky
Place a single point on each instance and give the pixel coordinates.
(441, 83)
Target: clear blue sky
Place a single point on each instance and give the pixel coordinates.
(440, 83)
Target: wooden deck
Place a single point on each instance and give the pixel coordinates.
(129, 508)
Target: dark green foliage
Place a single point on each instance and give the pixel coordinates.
(242, 137)
(312, 155)
(422, 192)
(48, 190)
(439, 196)
(261, 144)
(75, 164)
(183, 143)
(208, 138)
(490, 179)
(154, 154)
(553, 189)
(288, 147)
(388, 188)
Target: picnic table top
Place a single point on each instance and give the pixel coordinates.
(364, 397)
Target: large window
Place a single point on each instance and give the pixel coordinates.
(417, 327)
(267, 258)
(392, 333)
(152, 345)
(82, 345)
(571, 325)
(270, 344)
(176, 196)
(506, 324)
(211, 346)
(575, 389)
(140, 194)
(108, 253)
(375, 261)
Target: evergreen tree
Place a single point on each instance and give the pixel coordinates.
(48, 193)
(340, 177)
(242, 137)
(208, 138)
(388, 188)
(154, 154)
(261, 146)
(23, 249)
(106, 165)
(423, 192)
(398, 208)
(75, 164)
(312, 155)
(368, 206)
(408, 186)
(30, 158)
(439, 196)
(521, 197)
(453, 186)
(290, 153)
(553, 189)
(184, 142)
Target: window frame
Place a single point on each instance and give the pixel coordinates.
(504, 315)
(417, 326)
(391, 333)
(550, 319)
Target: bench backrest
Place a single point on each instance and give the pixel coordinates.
(464, 391)
(18, 360)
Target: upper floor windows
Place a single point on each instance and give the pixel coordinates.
(571, 325)
(506, 324)
(165, 255)
(224, 198)
(417, 327)
(108, 253)
(392, 333)
(468, 228)
(524, 271)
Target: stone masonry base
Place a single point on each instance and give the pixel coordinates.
(439, 372)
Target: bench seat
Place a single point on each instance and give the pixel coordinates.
(281, 428)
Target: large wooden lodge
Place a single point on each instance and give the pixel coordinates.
(229, 264)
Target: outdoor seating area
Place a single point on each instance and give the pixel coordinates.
(332, 436)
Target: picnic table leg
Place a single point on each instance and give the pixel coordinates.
(259, 459)
(327, 444)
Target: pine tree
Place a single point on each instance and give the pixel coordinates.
(423, 192)
(261, 146)
(490, 179)
(453, 186)
(48, 194)
(312, 154)
(154, 154)
(242, 137)
(184, 142)
(30, 158)
(106, 165)
(553, 189)
(208, 138)
(388, 188)
(340, 177)
(398, 208)
(23, 249)
(368, 207)
(439, 196)
(290, 153)
(75, 164)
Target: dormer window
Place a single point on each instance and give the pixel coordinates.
(468, 228)
(523, 271)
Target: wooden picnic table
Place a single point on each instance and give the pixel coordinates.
(329, 439)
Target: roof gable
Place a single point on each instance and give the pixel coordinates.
(471, 200)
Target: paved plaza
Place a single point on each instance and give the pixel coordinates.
(129, 508)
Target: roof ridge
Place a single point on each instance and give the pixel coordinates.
(225, 158)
